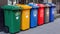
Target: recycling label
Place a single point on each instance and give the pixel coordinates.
(17, 15)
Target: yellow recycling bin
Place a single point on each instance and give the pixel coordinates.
(25, 22)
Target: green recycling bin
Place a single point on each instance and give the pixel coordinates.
(12, 16)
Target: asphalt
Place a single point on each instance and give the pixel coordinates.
(50, 28)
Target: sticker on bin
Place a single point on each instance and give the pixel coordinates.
(35, 13)
(48, 13)
(17, 17)
(53, 11)
(26, 16)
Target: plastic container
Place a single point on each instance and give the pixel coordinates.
(47, 10)
(25, 22)
(52, 11)
(33, 15)
(41, 14)
(12, 16)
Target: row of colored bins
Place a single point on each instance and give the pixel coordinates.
(45, 13)
(23, 16)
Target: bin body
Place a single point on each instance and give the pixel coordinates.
(33, 15)
(33, 18)
(41, 14)
(25, 22)
(52, 9)
(47, 10)
(12, 18)
(1, 19)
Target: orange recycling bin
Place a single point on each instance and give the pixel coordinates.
(25, 19)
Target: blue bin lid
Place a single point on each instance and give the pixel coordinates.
(52, 4)
(33, 5)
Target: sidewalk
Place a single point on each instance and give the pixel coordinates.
(50, 28)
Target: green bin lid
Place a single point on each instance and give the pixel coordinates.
(11, 7)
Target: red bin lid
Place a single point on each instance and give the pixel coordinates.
(41, 5)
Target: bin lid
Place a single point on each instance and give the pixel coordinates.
(33, 5)
(47, 5)
(41, 5)
(11, 7)
(52, 4)
(24, 6)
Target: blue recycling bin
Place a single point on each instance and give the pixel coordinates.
(33, 15)
(51, 13)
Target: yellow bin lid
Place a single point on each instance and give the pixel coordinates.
(24, 6)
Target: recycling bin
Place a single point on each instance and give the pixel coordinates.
(41, 14)
(25, 22)
(1, 19)
(47, 10)
(12, 16)
(33, 15)
(52, 10)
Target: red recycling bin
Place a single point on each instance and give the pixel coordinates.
(41, 14)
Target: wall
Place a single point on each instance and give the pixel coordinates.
(3, 2)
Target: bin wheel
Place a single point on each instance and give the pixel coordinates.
(6, 30)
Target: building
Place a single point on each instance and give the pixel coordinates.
(57, 2)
